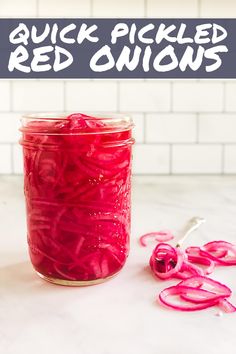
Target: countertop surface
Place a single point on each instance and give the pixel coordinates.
(120, 315)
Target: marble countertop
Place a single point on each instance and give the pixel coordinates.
(121, 315)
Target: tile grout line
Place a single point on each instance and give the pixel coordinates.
(145, 128)
(11, 96)
(197, 127)
(145, 8)
(199, 8)
(224, 98)
(171, 96)
(64, 96)
(12, 159)
(37, 8)
(118, 97)
(223, 159)
(171, 159)
(91, 8)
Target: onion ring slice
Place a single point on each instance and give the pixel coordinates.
(181, 290)
(160, 236)
(210, 248)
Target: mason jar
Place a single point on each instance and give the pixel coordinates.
(77, 185)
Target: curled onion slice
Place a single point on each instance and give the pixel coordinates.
(194, 256)
(160, 236)
(181, 290)
(187, 270)
(166, 260)
(210, 285)
(227, 306)
(210, 249)
(196, 297)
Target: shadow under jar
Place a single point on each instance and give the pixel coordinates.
(77, 184)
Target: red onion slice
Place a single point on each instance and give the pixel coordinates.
(191, 290)
(193, 254)
(188, 270)
(201, 281)
(160, 236)
(181, 290)
(209, 249)
(227, 306)
(166, 260)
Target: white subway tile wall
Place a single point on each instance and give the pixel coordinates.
(230, 159)
(5, 101)
(218, 8)
(37, 95)
(62, 8)
(181, 126)
(196, 159)
(5, 159)
(230, 100)
(171, 128)
(18, 8)
(17, 159)
(118, 9)
(148, 160)
(198, 97)
(172, 8)
(148, 96)
(91, 96)
(217, 128)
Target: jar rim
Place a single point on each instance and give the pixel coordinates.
(90, 115)
(116, 121)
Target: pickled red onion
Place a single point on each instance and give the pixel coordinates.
(227, 306)
(77, 188)
(160, 236)
(187, 270)
(184, 290)
(209, 248)
(191, 290)
(167, 262)
(193, 254)
(214, 287)
(171, 262)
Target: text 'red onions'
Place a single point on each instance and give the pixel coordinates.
(77, 173)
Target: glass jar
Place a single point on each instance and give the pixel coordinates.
(77, 184)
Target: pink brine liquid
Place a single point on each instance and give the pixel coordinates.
(77, 172)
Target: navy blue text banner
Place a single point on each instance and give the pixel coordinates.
(117, 48)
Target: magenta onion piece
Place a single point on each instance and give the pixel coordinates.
(195, 296)
(160, 236)
(227, 306)
(187, 270)
(195, 291)
(193, 254)
(165, 298)
(166, 260)
(201, 281)
(210, 248)
(77, 189)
